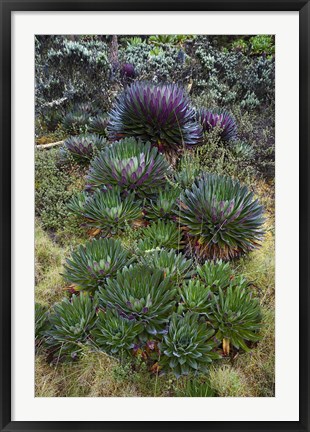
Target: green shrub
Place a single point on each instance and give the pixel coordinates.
(71, 322)
(161, 39)
(196, 388)
(141, 294)
(163, 206)
(68, 72)
(161, 114)
(195, 297)
(243, 150)
(216, 274)
(222, 218)
(91, 265)
(169, 66)
(228, 77)
(258, 131)
(160, 234)
(240, 45)
(188, 346)
(174, 265)
(188, 169)
(82, 148)
(262, 44)
(131, 165)
(114, 333)
(135, 41)
(236, 318)
(41, 321)
(106, 210)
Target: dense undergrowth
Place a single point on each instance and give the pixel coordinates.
(155, 218)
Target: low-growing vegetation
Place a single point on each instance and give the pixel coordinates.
(155, 216)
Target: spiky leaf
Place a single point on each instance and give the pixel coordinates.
(163, 205)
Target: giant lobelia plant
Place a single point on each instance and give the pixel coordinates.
(131, 165)
(91, 265)
(106, 210)
(209, 119)
(159, 113)
(70, 324)
(223, 220)
(188, 346)
(236, 316)
(141, 294)
(115, 334)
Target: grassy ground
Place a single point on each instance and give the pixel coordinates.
(249, 374)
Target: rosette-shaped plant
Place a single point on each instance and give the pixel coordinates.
(76, 120)
(131, 165)
(185, 178)
(141, 294)
(222, 218)
(98, 124)
(195, 297)
(106, 210)
(236, 316)
(82, 147)
(90, 265)
(114, 333)
(160, 234)
(219, 274)
(188, 346)
(159, 113)
(209, 119)
(174, 265)
(243, 150)
(71, 322)
(216, 274)
(188, 170)
(163, 206)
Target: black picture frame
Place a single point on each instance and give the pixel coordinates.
(7, 7)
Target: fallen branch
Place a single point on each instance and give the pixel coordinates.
(49, 145)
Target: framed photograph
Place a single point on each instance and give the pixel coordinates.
(154, 195)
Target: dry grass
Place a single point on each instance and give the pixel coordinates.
(98, 375)
(48, 266)
(228, 382)
(259, 366)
